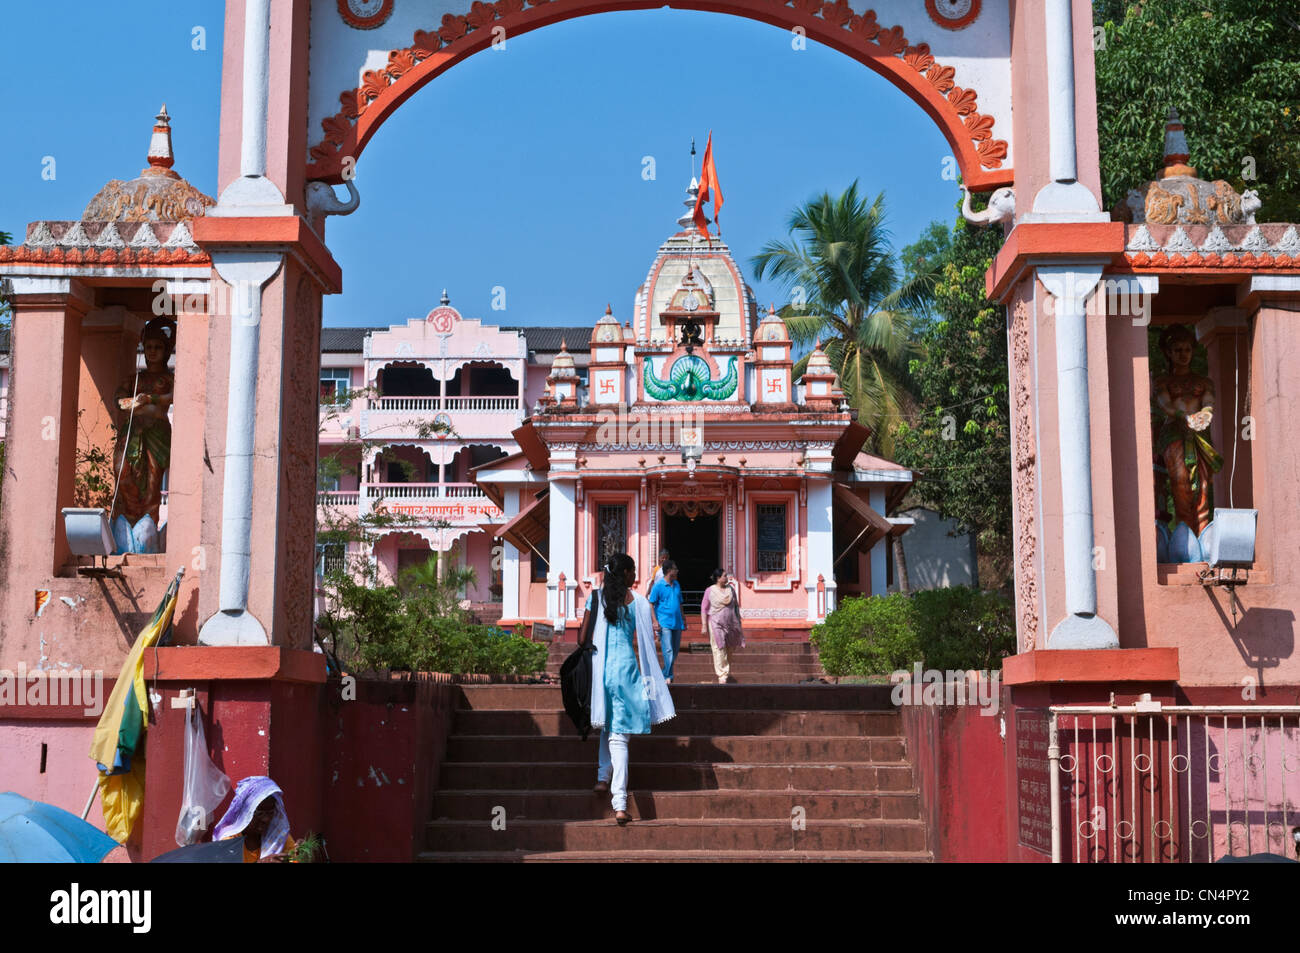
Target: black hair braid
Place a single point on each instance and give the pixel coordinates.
(614, 586)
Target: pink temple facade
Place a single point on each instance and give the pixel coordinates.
(531, 454)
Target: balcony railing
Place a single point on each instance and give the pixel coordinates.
(423, 491)
(338, 497)
(449, 404)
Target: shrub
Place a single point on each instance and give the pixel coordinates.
(419, 626)
(956, 628)
(964, 628)
(868, 636)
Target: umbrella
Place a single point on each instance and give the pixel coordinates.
(35, 832)
(216, 852)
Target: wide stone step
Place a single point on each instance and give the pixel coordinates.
(554, 722)
(674, 856)
(679, 834)
(777, 665)
(651, 776)
(767, 649)
(585, 804)
(730, 697)
(667, 749)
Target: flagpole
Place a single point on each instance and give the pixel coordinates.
(690, 260)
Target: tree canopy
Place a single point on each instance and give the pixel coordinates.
(1231, 68)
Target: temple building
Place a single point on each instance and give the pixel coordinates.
(533, 454)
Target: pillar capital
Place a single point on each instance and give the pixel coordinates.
(49, 291)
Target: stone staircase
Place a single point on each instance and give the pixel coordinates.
(765, 769)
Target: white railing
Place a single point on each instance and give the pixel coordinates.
(402, 491)
(407, 403)
(338, 497)
(449, 404)
(459, 491)
(423, 491)
(1172, 783)
(454, 404)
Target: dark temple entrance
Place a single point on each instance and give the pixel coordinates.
(693, 545)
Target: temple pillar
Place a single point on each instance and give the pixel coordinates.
(562, 557)
(1273, 302)
(509, 559)
(41, 445)
(1054, 90)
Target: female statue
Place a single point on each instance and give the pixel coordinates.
(1182, 406)
(144, 442)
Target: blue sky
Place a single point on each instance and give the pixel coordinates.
(519, 169)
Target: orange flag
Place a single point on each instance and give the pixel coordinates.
(709, 188)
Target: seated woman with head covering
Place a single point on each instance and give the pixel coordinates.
(257, 813)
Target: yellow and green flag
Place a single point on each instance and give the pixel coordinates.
(117, 745)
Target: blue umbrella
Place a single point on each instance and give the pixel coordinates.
(35, 832)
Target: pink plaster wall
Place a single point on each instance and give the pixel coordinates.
(69, 773)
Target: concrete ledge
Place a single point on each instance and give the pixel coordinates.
(1042, 243)
(291, 231)
(238, 662)
(1047, 666)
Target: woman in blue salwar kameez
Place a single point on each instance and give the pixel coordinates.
(628, 691)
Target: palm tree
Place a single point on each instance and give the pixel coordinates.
(839, 263)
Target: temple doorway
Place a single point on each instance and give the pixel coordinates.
(693, 544)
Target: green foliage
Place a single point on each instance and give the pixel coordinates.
(419, 625)
(947, 629)
(960, 441)
(1232, 70)
(868, 636)
(964, 628)
(846, 289)
(93, 476)
(309, 850)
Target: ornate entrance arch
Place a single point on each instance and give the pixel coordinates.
(952, 59)
(306, 84)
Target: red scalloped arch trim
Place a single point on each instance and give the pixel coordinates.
(886, 50)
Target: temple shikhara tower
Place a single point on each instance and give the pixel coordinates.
(167, 394)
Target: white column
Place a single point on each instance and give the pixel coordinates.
(880, 551)
(821, 556)
(510, 561)
(246, 273)
(253, 193)
(1081, 628)
(1064, 199)
(564, 520)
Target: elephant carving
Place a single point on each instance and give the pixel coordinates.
(1250, 204)
(322, 201)
(1002, 208)
(1136, 206)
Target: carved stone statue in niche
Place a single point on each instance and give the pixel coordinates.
(1182, 407)
(144, 442)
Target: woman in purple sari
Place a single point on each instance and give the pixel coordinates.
(720, 617)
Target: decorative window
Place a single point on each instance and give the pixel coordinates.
(329, 558)
(770, 537)
(611, 531)
(334, 384)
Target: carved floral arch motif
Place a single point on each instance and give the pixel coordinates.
(837, 25)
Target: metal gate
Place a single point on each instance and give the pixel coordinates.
(1173, 783)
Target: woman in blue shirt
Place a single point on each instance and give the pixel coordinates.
(666, 600)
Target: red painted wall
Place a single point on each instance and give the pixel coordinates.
(381, 766)
(959, 762)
